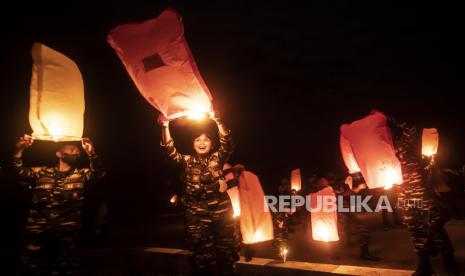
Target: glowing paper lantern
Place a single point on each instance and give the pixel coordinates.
(348, 155)
(56, 109)
(173, 199)
(256, 223)
(296, 180)
(159, 61)
(233, 193)
(371, 143)
(324, 220)
(430, 142)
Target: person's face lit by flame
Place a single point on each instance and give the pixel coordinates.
(202, 145)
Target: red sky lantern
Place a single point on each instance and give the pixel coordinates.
(159, 61)
(371, 144)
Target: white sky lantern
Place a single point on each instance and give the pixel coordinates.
(256, 223)
(430, 142)
(371, 146)
(56, 108)
(296, 180)
(324, 217)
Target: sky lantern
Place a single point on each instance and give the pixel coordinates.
(233, 193)
(371, 146)
(174, 199)
(430, 142)
(56, 107)
(255, 223)
(348, 155)
(324, 220)
(296, 180)
(159, 61)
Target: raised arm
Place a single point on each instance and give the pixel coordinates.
(25, 173)
(226, 143)
(96, 170)
(167, 141)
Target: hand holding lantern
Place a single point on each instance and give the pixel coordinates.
(163, 121)
(23, 143)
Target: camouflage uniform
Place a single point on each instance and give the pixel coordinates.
(416, 199)
(281, 220)
(209, 223)
(347, 219)
(54, 220)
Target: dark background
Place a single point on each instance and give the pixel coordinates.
(285, 75)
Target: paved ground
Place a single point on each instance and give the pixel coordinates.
(393, 245)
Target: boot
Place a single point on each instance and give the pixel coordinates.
(248, 253)
(449, 264)
(424, 267)
(366, 256)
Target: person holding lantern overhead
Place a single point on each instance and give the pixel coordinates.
(54, 220)
(418, 202)
(209, 223)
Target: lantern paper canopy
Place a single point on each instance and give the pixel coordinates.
(323, 221)
(430, 142)
(159, 61)
(348, 155)
(296, 180)
(233, 193)
(255, 223)
(56, 108)
(371, 143)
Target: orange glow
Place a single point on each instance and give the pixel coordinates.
(173, 199)
(390, 177)
(323, 221)
(296, 180)
(430, 142)
(321, 232)
(56, 106)
(283, 253)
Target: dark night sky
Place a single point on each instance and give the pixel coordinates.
(285, 77)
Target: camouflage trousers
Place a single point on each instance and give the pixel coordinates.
(213, 242)
(349, 223)
(50, 253)
(424, 220)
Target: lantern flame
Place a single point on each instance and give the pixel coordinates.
(296, 180)
(283, 253)
(196, 115)
(321, 232)
(258, 236)
(428, 151)
(390, 177)
(173, 199)
(55, 131)
(197, 112)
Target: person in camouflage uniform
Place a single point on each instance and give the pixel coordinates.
(346, 220)
(209, 223)
(54, 220)
(417, 200)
